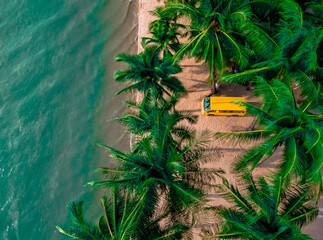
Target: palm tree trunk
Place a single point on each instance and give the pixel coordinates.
(215, 87)
(235, 68)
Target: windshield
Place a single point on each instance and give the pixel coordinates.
(207, 104)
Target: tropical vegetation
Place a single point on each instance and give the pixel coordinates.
(214, 33)
(121, 220)
(165, 32)
(283, 124)
(263, 209)
(157, 190)
(150, 74)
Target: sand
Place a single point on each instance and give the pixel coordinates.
(194, 78)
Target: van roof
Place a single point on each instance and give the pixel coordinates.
(226, 99)
(225, 103)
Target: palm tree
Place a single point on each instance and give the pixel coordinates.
(214, 32)
(121, 221)
(297, 52)
(149, 73)
(142, 120)
(263, 210)
(283, 124)
(165, 32)
(160, 165)
(271, 12)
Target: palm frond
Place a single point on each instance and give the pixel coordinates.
(243, 135)
(262, 43)
(245, 76)
(79, 229)
(292, 13)
(255, 155)
(231, 193)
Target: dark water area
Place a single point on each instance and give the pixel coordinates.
(53, 67)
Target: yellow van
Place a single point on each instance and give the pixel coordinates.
(223, 106)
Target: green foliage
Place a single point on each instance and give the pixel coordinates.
(157, 164)
(147, 114)
(165, 161)
(149, 73)
(121, 221)
(284, 124)
(289, 51)
(165, 32)
(79, 229)
(213, 32)
(263, 210)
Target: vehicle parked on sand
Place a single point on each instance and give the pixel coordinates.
(223, 106)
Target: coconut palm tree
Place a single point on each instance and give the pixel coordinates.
(121, 221)
(144, 116)
(266, 14)
(149, 74)
(283, 124)
(263, 210)
(159, 165)
(296, 56)
(165, 32)
(214, 33)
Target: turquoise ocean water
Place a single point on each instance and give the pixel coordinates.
(52, 72)
(56, 99)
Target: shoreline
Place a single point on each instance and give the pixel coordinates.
(123, 38)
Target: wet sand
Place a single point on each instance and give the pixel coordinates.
(123, 38)
(121, 20)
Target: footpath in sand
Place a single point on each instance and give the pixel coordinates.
(194, 78)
